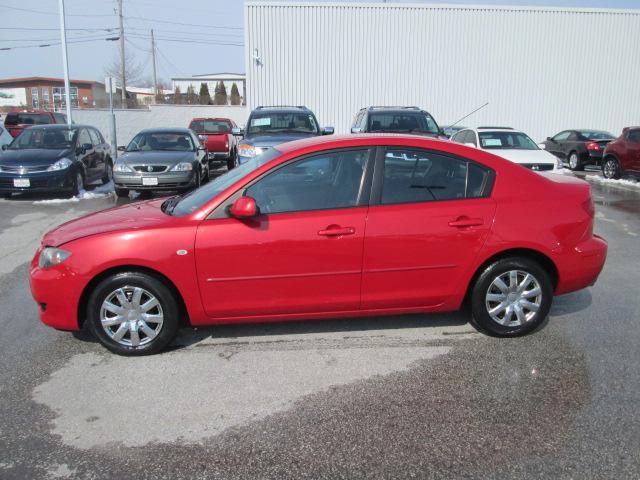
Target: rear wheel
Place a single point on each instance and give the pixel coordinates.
(611, 168)
(108, 173)
(511, 297)
(132, 313)
(574, 161)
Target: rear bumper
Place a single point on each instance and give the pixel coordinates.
(218, 155)
(581, 267)
(57, 181)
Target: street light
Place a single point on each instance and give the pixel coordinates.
(65, 60)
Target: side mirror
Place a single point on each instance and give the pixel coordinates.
(202, 138)
(328, 131)
(472, 145)
(549, 139)
(542, 146)
(244, 207)
(238, 132)
(122, 148)
(356, 130)
(5, 146)
(87, 146)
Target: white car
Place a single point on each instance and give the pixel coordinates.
(511, 144)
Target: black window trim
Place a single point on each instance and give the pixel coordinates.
(222, 210)
(378, 176)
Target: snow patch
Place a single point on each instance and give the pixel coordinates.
(623, 182)
(98, 192)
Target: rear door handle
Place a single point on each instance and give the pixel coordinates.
(462, 222)
(335, 231)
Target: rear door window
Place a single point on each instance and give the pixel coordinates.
(412, 176)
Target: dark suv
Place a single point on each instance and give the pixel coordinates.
(623, 154)
(16, 122)
(271, 126)
(396, 120)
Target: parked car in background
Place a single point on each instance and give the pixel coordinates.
(270, 126)
(450, 131)
(161, 159)
(217, 136)
(579, 147)
(5, 136)
(54, 158)
(411, 120)
(319, 228)
(622, 155)
(15, 122)
(511, 144)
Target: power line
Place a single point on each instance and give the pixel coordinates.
(188, 40)
(57, 29)
(185, 24)
(54, 13)
(52, 44)
(182, 32)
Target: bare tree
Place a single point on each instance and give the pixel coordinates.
(133, 70)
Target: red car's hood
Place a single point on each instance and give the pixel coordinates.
(128, 217)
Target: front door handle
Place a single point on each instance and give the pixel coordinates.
(336, 231)
(462, 222)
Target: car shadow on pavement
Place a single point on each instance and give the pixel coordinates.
(191, 336)
(571, 303)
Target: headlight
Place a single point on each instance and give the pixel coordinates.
(121, 167)
(60, 165)
(245, 150)
(182, 167)
(50, 257)
(202, 138)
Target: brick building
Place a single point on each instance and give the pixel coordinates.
(47, 93)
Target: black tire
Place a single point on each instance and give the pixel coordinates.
(77, 184)
(611, 168)
(578, 165)
(108, 173)
(231, 162)
(6, 196)
(168, 307)
(481, 289)
(122, 193)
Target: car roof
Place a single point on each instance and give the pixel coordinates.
(494, 130)
(211, 118)
(281, 108)
(53, 126)
(166, 130)
(362, 140)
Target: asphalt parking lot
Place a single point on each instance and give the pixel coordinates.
(422, 396)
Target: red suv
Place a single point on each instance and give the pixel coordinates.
(623, 154)
(18, 121)
(216, 134)
(326, 227)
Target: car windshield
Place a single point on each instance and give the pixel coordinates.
(47, 138)
(506, 141)
(596, 135)
(210, 126)
(402, 122)
(265, 123)
(197, 198)
(154, 141)
(27, 119)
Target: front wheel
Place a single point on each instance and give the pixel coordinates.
(122, 193)
(132, 313)
(108, 173)
(77, 184)
(511, 297)
(611, 168)
(574, 162)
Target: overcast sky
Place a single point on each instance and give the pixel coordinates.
(193, 36)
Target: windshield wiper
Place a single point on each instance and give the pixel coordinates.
(169, 204)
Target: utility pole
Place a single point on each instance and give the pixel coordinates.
(65, 60)
(153, 57)
(122, 67)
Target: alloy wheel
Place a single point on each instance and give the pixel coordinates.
(513, 298)
(573, 161)
(131, 316)
(610, 169)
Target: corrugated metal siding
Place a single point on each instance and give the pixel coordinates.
(541, 70)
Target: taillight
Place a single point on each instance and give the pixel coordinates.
(593, 146)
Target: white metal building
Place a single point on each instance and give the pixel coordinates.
(540, 69)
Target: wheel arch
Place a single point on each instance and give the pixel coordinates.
(184, 320)
(535, 255)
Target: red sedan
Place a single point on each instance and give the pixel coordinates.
(326, 227)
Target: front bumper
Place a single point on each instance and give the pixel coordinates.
(57, 291)
(166, 180)
(60, 180)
